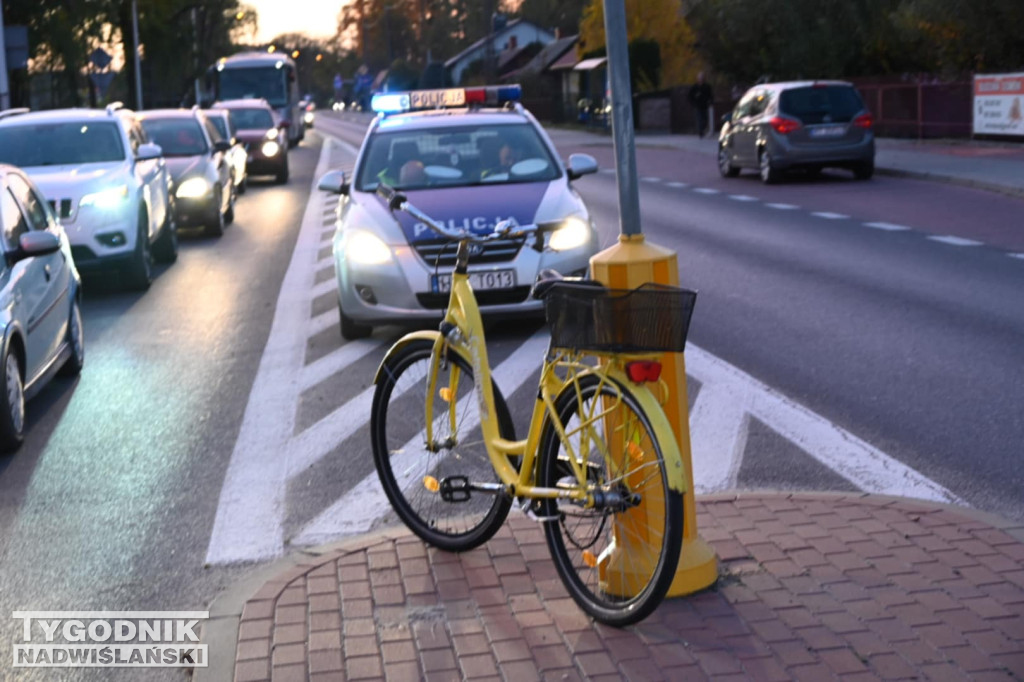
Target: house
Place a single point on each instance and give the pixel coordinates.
(552, 91)
(510, 39)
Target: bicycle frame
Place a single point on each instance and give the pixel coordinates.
(465, 336)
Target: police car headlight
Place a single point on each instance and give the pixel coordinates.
(573, 234)
(193, 188)
(108, 198)
(365, 248)
(270, 148)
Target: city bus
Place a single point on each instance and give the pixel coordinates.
(265, 75)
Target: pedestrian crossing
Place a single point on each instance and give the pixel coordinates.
(301, 471)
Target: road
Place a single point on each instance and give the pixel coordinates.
(221, 420)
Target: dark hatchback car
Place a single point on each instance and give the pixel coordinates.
(806, 125)
(263, 134)
(204, 189)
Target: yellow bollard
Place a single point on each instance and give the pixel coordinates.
(627, 265)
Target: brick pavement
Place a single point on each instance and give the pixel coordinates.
(812, 587)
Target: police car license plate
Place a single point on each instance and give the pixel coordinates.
(426, 99)
(490, 279)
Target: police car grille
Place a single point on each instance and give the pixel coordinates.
(442, 253)
(484, 297)
(62, 207)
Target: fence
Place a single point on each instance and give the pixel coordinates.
(921, 110)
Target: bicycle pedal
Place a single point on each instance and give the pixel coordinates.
(455, 489)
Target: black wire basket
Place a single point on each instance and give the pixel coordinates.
(650, 318)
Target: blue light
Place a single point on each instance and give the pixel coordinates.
(389, 103)
(510, 93)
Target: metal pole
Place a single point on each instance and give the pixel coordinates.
(138, 70)
(622, 116)
(5, 94)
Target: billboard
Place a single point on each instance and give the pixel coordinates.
(999, 104)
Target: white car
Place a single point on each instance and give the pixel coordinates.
(104, 179)
(469, 158)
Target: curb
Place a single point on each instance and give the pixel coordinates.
(1007, 190)
(220, 632)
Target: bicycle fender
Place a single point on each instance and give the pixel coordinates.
(674, 468)
(423, 335)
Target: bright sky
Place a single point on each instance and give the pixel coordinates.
(315, 18)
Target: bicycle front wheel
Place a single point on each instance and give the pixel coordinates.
(409, 468)
(616, 558)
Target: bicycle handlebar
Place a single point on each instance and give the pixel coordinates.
(399, 202)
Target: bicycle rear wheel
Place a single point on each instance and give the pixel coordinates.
(617, 559)
(406, 466)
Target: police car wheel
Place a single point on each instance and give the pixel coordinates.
(350, 329)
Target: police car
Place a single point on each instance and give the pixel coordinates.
(468, 157)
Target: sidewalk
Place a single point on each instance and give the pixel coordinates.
(813, 586)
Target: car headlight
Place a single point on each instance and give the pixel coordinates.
(107, 198)
(365, 248)
(308, 117)
(270, 148)
(193, 188)
(573, 234)
(272, 134)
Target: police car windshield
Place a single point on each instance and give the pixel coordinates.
(455, 157)
(176, 136)
(52, 144)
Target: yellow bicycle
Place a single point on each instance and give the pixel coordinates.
(599, 467)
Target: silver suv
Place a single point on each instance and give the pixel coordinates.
(807, 125)
(104, 179)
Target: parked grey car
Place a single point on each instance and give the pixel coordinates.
(40, 292)
(807, 125)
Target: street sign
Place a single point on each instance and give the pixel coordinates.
(100, 58)
(16, 45)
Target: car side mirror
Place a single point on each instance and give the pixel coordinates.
(580, 165)
(334, 182)
(284, 124)
(221, 146)
(149, 151)
(37, 243)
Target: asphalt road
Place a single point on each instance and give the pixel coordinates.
(909, 343)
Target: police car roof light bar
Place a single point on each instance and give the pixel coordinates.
(492, 95)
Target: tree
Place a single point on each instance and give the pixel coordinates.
(564, 15)
(657, 21)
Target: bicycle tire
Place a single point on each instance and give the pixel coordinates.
(579, 551)
(398, 446)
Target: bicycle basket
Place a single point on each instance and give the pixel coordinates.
(652, 317)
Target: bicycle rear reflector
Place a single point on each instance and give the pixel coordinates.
(640, 371)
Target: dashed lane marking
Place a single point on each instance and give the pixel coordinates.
(1016, 255)
(650, 179)
(677, 185)
(889, 227)
(953, 241)
(705, 190)
(742, 197)
(783, 207)
(827, 215)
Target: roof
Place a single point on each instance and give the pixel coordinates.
(58, 115)
(167, 113)
(551, 53)
(254, 59)
(564, 63)
(590, 64)
(492, 37)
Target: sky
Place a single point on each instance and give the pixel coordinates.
(315, 18)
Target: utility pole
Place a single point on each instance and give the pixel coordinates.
(5, 93)
(138, 71)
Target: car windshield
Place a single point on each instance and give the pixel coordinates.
(51, 144)
(821, 104)
(454, 157)
(252, 119)
(221, 125)
(176, 136)
(263, 82)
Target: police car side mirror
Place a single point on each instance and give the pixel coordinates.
(580, 165)
(334, 182)
(149, 151)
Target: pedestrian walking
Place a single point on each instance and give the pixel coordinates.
(700, 98)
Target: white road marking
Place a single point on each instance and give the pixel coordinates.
(1016, 255)
(677, 185)
(248, 524)
(651, 179)
(742, 197)
(325, 287)
(953, 241)
(363, 504)
(332, 363)
(608, 170)
(705, 190)
(783, 207)
(830, 216)
(890, 227)
(862, 464)
(324, 321)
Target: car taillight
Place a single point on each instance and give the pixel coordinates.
(783, 125)
(865, 121)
